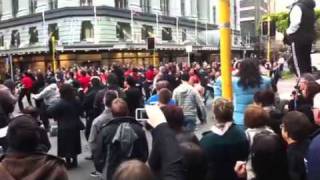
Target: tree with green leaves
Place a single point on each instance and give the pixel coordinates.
(282, 21)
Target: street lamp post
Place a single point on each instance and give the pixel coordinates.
(225, 49)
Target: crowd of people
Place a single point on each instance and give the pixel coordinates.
(253, 137)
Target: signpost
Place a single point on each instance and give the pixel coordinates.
(189, 50)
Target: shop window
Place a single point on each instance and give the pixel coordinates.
(122, 4)
(145, 5)
(167, 34)
(53, 4)
(164, 5)
(123, 31)
(146, 32)
(87, 31)
(15, 38)
(32, 6)
(15, 7)
(85, 2)
(53, 30)
(33, 34)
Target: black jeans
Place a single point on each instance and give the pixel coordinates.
(301, 57)
(24, 92)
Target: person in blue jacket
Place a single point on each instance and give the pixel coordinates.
(244, 84)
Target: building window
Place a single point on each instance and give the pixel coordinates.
(184, 35)
(87, 31)
(123, 31)
(15, 7)
(15, 38)
(123, 4)
(33, 34)
(146, 32)
(1, 40)
(85, 2)
(167, 34)
(32, 6)
(214, 14)
(145, 5)
(53, 4)
(164, 5)
(183, 8)
(53, 30)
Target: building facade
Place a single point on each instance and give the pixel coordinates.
(104, 31)
(251, 12)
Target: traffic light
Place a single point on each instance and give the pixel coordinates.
(265, 28)
(151, 43)
(272, 28)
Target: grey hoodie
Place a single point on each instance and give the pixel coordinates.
(189, 100)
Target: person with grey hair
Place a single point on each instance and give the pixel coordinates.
(98, 122)
(121, 139)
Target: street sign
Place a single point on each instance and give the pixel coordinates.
(189, 49)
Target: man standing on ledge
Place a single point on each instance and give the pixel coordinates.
(301, 34)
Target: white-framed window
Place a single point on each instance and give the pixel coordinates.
(33, 35)
(87, 31)
(15, 38)
(122, 4)
(32, 6)
(167, 34)
(146, 32)
(145, 6)
(53, 29)
(123, 31)
(164, 5)
(85, 2)
(53, 4)
(15, 7)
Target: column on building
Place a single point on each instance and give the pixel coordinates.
(203, 7)
(175, 8)
(6, 10)
(68, 3)
(23, 8)
(135, 5)
(194, 8)
(187, 7)
(103, 3)
(155, 6)
(42, 5)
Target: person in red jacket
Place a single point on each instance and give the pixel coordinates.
(84, 80)
(27, 83)
(149, 75)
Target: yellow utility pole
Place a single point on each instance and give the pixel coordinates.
(54, 62)
(269, 34)
(225, 48)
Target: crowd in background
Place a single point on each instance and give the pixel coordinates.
(257, 136)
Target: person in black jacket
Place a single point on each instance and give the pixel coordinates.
(67, 112)
(121, 139)
(88, 103)
(301, 33)
(296, 130)
(133, 95)
(166, 159)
